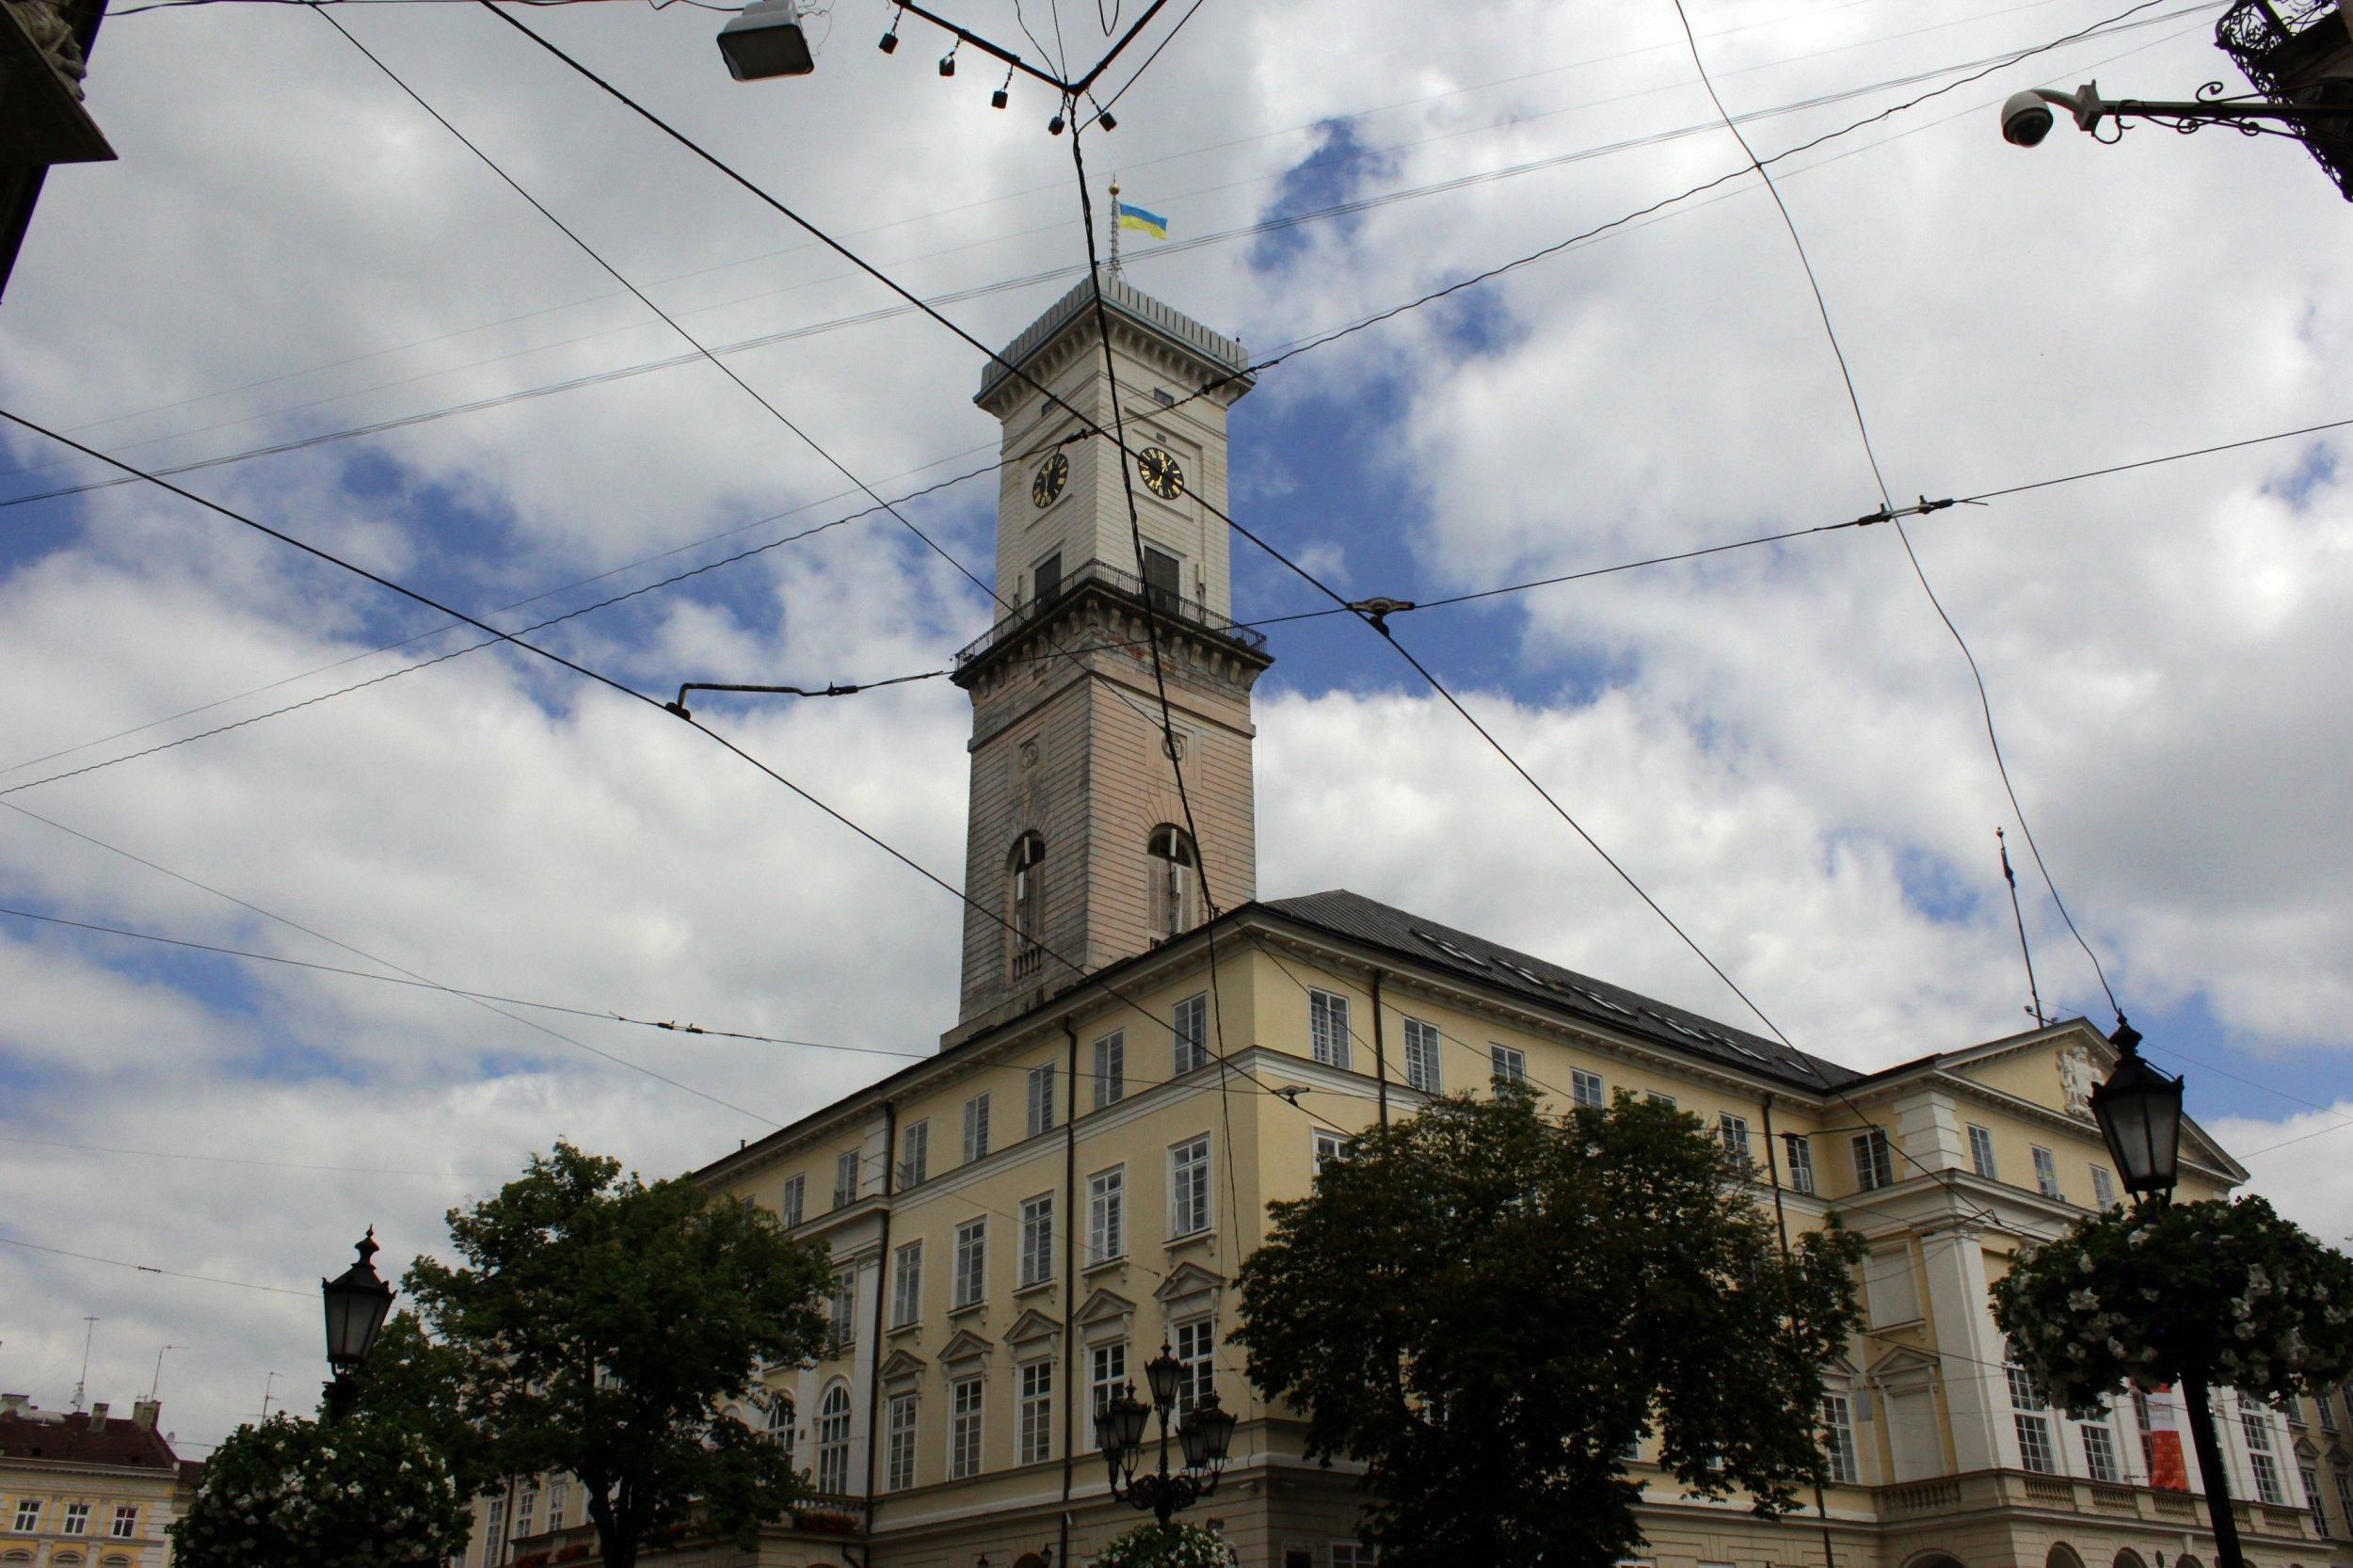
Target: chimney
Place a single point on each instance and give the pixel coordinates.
(143, 1413)
(13, 1404)
(98, 1417)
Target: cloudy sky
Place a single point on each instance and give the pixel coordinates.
(1784, 743)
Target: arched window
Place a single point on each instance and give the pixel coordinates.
(833, 1442)
(1026, 875)
(780, 1424)
(1176, 870)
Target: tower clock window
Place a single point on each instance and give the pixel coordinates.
(1176, 870)
(1163, 579)
(1046, 578)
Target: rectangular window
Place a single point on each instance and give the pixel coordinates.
(1329, 1146)
(1046, 578)
(2028, 1410)
(1196, 1344)
(1111, 1069)
(1799, 1155)
(907, 1286)
(1037, 1425)
(2257, 1426)
(1037, 1239)
(2311, 1478)
(1041, 1099)
(975, 1128)
(559, 1502)
(526, 1504)
(495, 1531)
(898, 1451)
(27, 1515)
(1164, 578)
(2325, 1403)
(1656, 1098)
(841, 1310)
(1981, 1153)
(1838, 1439)
(972, 1261)
(1107, 1374)
(1506, 1064)
(1733, 1130)
(1874, 1161)
(915, 1153)
(796, 1193)
(1327, 1028)
(77, 1518)
(2345, 1502)
(2102, 1186)
(845, 1177)
(1190, 1029)
(1422, 1056)
(1189, 1187)
(2046, 1172)
(2100, 1452)
(1585, 1088)
(964, 1427)
(1352, 1554)
(1107, 1215)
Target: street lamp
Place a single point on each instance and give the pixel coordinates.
(765, 39)
(2027, 116)
(357, 1302)
(1206, 1434)
(2139, 1111)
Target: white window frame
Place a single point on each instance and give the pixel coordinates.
(1838, 1444)
(971, 1275)
(833, 1442)
(915, 1153)
(841, 1309)
(1422, 1042)
(976, 1129)
(906, 1284)
(899, 1446)
(2046, 1172)
(1037, 1239)
(1325, 1145)
(1587, 1089)
(27, 1515)
(1798, 1154)
(1107, 1215)
(126, 1524)
(1111, 1069)
(2101, 1462)
(1033, 1412)
(526, 1507)
(1733, 1133)
(966, 1404)
(2102, 1186)
(790, 1208)
(1189, 1035)
(1656, 1097)
(1189, 1212)
(1327, 1028)
(2037, 1447)
(1874, 1161)
(1194, 1346)
(76, 1519)
(1041, 1102)
(848, 1170)
(2270, 1484)
(1107, 1374)
(1508, 1063)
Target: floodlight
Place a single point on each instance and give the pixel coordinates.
(765, 39)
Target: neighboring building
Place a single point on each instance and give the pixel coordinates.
(90, 1491)
(1019, 1222)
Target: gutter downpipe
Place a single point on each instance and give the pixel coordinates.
(1380, 1053)
(1781, 1228)
(882, 1282)
(1070, 1293)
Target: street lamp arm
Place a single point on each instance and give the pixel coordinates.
(968, 36)
(2088, 108)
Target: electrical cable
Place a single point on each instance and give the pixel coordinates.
(1109, 103)
(151, 1268)
(267, 1164)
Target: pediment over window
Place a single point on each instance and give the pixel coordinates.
(901, 1371)
(1902, 1370)
(1189, 1291)
(967, 1350)
(1033, 1333)
(1104, 1317)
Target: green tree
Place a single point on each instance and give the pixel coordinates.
(606, 1327)
(415, 1384)
(293, 1494)
(2220, 1294)
(1490, 1308)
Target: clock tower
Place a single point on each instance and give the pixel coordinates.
(1077, 848)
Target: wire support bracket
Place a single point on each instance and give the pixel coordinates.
(1919, 508)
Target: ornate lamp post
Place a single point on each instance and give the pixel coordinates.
(1205, 1434)
(358, 1302)
(2139, 1111)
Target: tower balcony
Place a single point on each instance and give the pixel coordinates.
(1166, 604)
(2298, 51)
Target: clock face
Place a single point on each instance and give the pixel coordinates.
(1051, 476)
(1159, 472)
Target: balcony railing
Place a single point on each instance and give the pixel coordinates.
(1166, 603)
(2300, 52)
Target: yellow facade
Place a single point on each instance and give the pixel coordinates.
(86, 1491)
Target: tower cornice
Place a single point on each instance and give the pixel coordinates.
(1140, 324)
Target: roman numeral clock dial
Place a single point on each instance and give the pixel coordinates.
(1159, 474)
(1051, 476)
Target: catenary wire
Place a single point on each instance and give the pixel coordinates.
(151, 1268)
(265, 1164)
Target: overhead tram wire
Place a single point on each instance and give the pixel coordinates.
(1863, 430)
(1033, 279)
(263, 1164)
(599, 677)
(151, 1268)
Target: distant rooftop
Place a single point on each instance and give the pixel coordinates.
(1120, 297)
(28, 1433)
(1348, 914)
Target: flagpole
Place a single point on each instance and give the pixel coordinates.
(1114, 225)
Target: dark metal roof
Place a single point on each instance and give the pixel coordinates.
(1121, 299)
(1346, 913)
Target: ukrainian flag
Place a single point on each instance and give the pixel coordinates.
(1136, 217)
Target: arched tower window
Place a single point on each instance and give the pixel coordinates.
(1026, 887)
(1175, 871)
(833, 1442)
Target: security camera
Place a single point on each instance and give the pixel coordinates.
(2025, 118)
(765, 39)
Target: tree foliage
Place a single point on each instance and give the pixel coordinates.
(1489, 1308)
(292, 1494)
(607, 1327)
(1175, 1544)
(2225, 1292)
(415, 1384)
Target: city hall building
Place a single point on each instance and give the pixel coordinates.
(1018, 1223)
